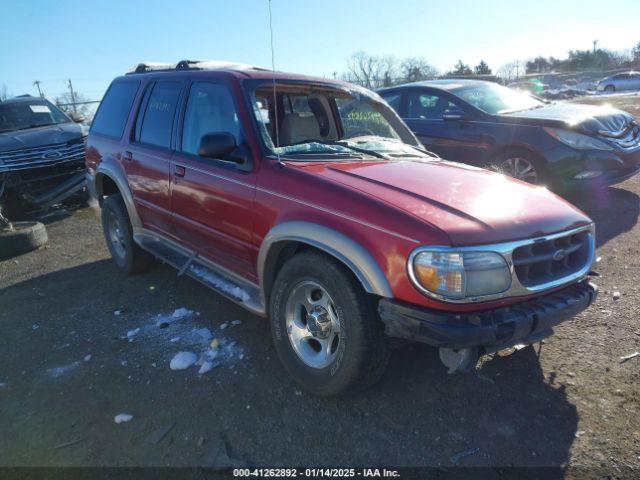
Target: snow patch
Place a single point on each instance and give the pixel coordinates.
(57, 372)
(122, 418)
(219, 283)
(183, 360)
(236, 322)
(87, 358)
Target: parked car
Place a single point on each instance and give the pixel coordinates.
(620, 82)
(310, 202)
(41, 153)
(562, 145)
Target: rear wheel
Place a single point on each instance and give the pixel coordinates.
(119, 237)
(325, 328)
(521, 165)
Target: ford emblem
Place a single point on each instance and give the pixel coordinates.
(559, 255)
(51, 155)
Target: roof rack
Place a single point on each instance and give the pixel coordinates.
(147, 67)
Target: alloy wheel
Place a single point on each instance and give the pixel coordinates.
(116, 235)
(519, 168)
(313, 326)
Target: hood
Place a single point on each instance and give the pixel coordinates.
(584, 118)
(470, 205)
(40, 136)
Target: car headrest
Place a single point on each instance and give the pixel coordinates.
(296, 128)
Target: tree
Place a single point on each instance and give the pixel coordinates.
(461, 69)
(538, 65)
(510, 71)
(414, 69)
(482, 68)
(635, 53)
(4, 93)
(64, 102)
(371, 71)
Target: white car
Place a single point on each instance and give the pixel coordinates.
(619, 82)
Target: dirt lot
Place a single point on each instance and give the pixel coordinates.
(71, 359)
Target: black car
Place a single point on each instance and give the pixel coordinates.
(41, 153)
(562, 145)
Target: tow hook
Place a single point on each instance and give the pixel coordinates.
(459, 359)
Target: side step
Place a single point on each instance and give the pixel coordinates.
(217, 278)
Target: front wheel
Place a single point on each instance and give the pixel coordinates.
(520, 165)
(610, 88)
(325, 328)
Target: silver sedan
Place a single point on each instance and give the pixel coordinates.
(619, 82)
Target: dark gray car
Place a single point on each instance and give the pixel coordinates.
(41, 153)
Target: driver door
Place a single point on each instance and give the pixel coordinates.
(211, 199)
(458, 140)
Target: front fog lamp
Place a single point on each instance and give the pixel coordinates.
(458, 275)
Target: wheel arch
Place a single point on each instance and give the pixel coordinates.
(109, 180)
(288, 238)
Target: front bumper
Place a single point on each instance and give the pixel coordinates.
(490, 330)
(615, 166)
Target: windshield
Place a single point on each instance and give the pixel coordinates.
(322, 119)
(29, 114)
(495, 99)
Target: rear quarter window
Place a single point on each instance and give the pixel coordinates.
(112, 115)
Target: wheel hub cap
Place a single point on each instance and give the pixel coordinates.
(312, 323)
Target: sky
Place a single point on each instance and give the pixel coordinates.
(91, 42)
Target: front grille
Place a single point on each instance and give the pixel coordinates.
(627, 139)
(45, 156)
(552, 260)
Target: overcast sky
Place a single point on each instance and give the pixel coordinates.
(91, 42)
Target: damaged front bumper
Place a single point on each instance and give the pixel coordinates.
(489, 330)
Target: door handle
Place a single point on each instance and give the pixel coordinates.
(128, 156)
(179, 171)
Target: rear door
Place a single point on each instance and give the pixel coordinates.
(212, 199)
(452, 139)
(149, 153)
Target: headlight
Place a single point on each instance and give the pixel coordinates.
(577, 140)
(458, 275)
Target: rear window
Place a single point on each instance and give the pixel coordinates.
(112, 115)
(157, 121)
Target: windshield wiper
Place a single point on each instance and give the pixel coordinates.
(344, 144)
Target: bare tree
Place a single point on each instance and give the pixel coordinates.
(65, 103)
(371, 71)
(4, 93)
(511, 71)
(414, 69)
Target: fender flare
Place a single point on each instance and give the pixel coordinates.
(115, 173)
(338, 245)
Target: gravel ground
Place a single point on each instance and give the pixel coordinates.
(71, 360)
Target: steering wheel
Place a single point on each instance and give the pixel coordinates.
(363, 132)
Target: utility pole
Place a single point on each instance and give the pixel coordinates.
(37, 84)
(595, 43)
(73, 97)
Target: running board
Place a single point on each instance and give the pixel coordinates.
(206, 272)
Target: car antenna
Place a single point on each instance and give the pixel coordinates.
(275, 99)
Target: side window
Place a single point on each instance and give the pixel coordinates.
(210, 109)
(428, 106)
(114, 109)
(393, 100)
(157, 121)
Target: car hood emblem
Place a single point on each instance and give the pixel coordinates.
(559, 255)
(51, 155)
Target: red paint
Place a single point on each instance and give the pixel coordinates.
(390, 208)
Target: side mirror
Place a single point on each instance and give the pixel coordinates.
(454, 114)
(77, 117)
(218, 145)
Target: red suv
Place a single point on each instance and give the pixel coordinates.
(308, 201)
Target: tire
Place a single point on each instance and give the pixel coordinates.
(118, 235)
(520, 160)
(361, 354)
(24, 237)
(610, 88)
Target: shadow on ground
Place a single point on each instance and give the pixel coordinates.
(614, 210)
(418, 415)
